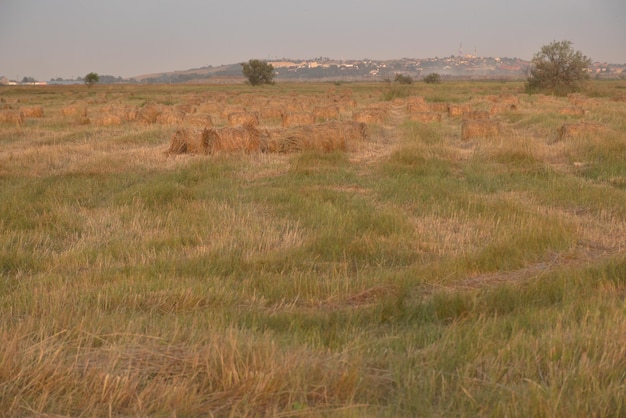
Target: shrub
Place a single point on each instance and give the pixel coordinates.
(558, 69)
(432, 78)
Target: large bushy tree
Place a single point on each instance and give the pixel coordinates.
(258, 72)
(558, 69)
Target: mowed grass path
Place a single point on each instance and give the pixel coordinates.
(416, 274)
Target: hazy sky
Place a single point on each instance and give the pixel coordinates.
(70, 38)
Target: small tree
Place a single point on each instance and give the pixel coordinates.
(403, 79)
(258, 72)
(432, 78)
(91, 79)
(557, 68)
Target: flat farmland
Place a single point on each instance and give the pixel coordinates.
(312, 249)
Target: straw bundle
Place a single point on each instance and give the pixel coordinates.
(199, 120)
(169, 117)
(74, 110)
(243, 118)
(425, 117)
(508, 98)
(326, 137)
(501, 107)
(231, 139)
(32, 111)
(370, 116)
(106, 119)
(187, 141)
(12, 116)
(269, 113)
(572, 111)
(570, 130)
(149, 113)
(418, 107)
(479, 129)
(297, 119)
(325, 113)
(476, 115)
(439, 107)
(458, 109)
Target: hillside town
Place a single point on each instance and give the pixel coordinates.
(468, 67)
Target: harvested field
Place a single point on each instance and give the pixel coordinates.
(331, 269)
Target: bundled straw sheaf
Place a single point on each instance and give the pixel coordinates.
(458, 109)
(370, 116)
(12, 116)
(476, 115)
(425, 117)
(326, 137)
(243, 119)
(297, 119)
(214, 140)
(32, 111)
(570, 130)
(480, 128)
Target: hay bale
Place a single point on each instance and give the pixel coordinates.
(425, 117)
(149, 113)
(15, 117)
(572, 111)
(458, 109)
(210, 107)
(439, 107)
(187, 141)
(479, 129)
(199, 120)
(169, 117)
(32, 111)
(326, 137)
(508, 98)
(325, 113)
(242, 119)
(297, 119)
(231, 139)
(370, 116)
(106, 119)
(571, 130)
(418, 107)
(271, 113)
(475, 115)
(72, 110)
(501, 107)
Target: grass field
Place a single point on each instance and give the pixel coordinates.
(417, 272)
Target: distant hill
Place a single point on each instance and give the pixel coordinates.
(326, 69)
